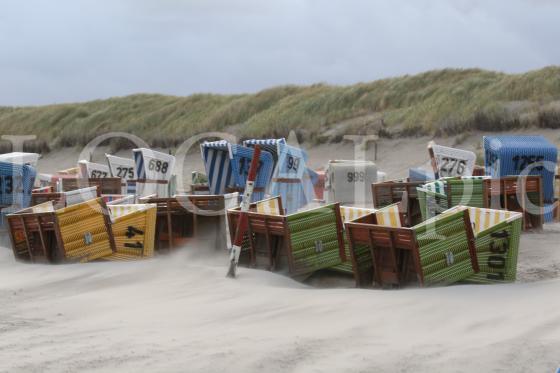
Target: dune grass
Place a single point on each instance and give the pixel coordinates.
(443, 102)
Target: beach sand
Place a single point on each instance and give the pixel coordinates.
(178, 312)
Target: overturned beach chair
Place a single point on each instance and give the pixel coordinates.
(133, 229)
(438, 251)
(77, 233)
(497, 243)
(394, 191)
(182, 217)
(302, 243)
(484, 192)
(349, 213)
(63, 199)
(227, 167)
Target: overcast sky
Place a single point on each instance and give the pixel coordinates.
(54, 51)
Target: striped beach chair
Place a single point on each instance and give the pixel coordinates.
(227, 166)
(270, 206)
(303, 242)
(16, 184)
(512, 193)
(268, 145)
(349, 213)
(291, 178)
(440, 250)
(510, 155)
(440, 195)
(77, 233)
(497, 243)
(133, 227)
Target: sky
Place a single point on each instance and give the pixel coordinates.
(54, 51)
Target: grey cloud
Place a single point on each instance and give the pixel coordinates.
(71, 51)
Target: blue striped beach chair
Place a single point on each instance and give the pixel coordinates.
(514, 155)
(227, 167)
(16, 184)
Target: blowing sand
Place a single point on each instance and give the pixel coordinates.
(178, 313)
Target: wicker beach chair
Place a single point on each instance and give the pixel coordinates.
(227, 167)
(303, 242)
(496, 235)
(77, 233)
(403, 191)
(512, 193)
(133, 227)
(519, 155)
(440, 250)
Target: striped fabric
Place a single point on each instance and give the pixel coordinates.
(43, 189)
(269, 145)
(16, 184)
(437, 186)
(69, 171)
(227, 166)
(557, 183)
(139, 169)
(349, 213)
(270, 206)
(497, 243)
(292, 180)
(483, 219)
(147, 188)
(443, 248)
(253, 142)
(133, 230)
(314, 240)
(122, 201)
(216, 157)
(43, 207)
(83, 231)
(80, 195)
(389, 216)
(433, 197)
(509, 155)
(118, 211)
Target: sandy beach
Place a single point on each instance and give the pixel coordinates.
(178, 312)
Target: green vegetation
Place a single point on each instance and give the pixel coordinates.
(443, 102)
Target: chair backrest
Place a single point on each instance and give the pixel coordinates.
(389, 216)
(270, 206)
